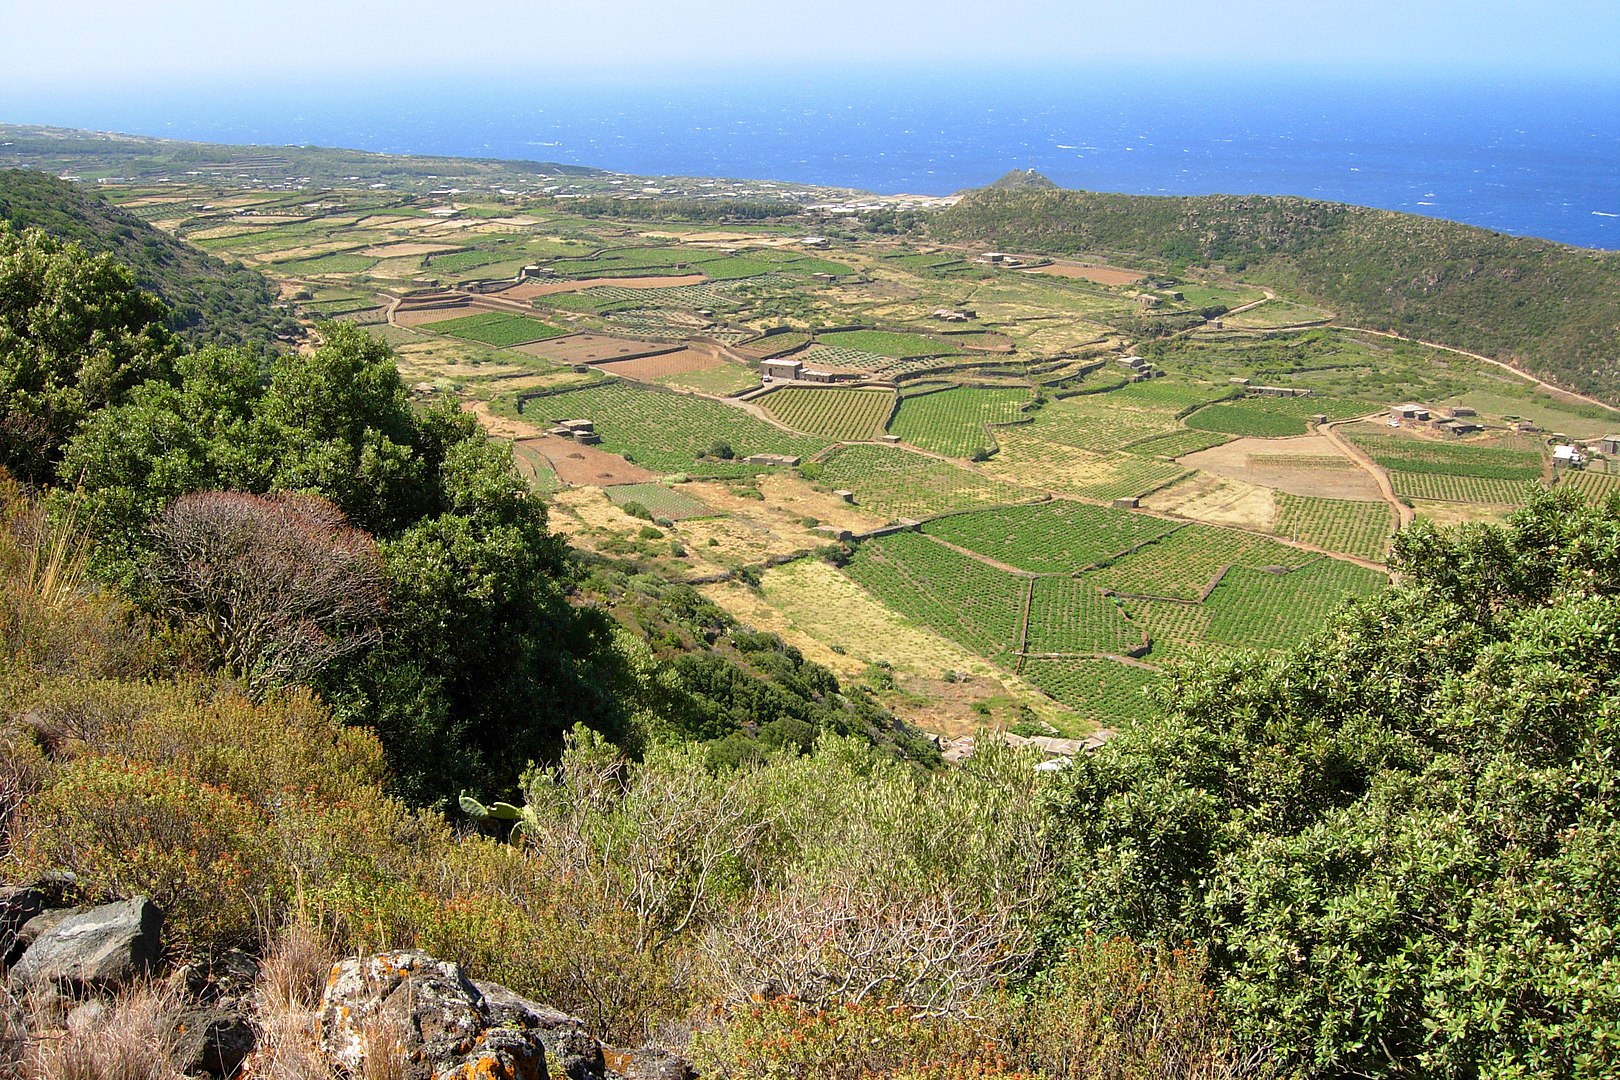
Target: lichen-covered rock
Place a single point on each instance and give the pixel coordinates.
(99, 949)
(648, 1064)
(442, 1026)
(564, 1037)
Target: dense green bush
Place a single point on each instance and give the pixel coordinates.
(1397, 841)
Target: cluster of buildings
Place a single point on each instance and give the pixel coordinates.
(795, 371)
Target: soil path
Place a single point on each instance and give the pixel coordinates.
(1403, 513)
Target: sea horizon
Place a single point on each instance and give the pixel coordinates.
(1528, 156)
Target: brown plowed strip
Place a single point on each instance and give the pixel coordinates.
(576, 464)
(654, 367)
(594, 348)
(531, 289)
(1102, 275)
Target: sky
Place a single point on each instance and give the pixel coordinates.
(82, 44)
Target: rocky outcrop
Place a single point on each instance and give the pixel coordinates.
(439, 1025)
(21, 904)
(99, 949)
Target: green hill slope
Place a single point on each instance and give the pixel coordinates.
(210, 301)
(1551, 309)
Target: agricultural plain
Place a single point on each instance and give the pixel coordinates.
(989, 492)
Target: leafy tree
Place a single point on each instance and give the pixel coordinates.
(1399, 841)
(76, 335)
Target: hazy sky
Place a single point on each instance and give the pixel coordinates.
(71, 42)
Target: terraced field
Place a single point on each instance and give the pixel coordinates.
(1255, 609)
(953, 422)
(660, 499)
(496, 328)
(975, 605)
(1274, 418)
(902, 484)
(1122, 417)
(1175, 443)
(1106, 691)
(900, 346)
(1408, 455)
(1067, 470)
(830, 412)
(1474, 490)
(1354, 528)
(667, 432)
(1056, 537)
(1071, 616)
(1183, 563)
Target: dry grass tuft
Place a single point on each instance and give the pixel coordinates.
(130, 1037)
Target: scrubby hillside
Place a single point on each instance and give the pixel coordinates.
(210, 301)
(1551, 309)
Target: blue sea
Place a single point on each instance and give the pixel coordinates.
(1532, 156)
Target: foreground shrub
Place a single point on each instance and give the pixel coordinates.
(1111, 1008)
(850, 1041)
(128, 828)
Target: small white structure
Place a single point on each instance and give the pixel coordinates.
(1567, 456)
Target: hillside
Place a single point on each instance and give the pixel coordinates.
(1551, 309)
(210, 301)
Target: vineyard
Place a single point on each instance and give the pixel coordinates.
(1400, 455)
(831, 413)
(1259, 610)
(1056, 537)
(496, 328)
(667, 431)
(902, 484)
(1070, 616)
(660, 500)
(1106, 691)
(1182, 564)
(1593, 485)
(886, 343)
(1354, 528)
(1066, 470)
(1175, 444)
(1274, 418)
(1476, 490)
(952, 422)
(973, 604)
(1178, 631)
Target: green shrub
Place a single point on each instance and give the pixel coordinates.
(205, 856)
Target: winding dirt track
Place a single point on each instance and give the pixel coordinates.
(1555, 391)
(1404, 514)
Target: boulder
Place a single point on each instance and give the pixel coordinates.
(444, 1026)
(99, 949)
(648, 1064)
(565, 1038)
(214, 1040)
(21, 903)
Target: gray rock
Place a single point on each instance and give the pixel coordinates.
(102, 948)
(649, 1064)
(564, 1037)
(34, 928)
(444, 1026)
(21, 903)
(213, 1040)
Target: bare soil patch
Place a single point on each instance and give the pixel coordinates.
(1305, 465)
(1102, 275)
(531, 289)
(1218, 500)
(395, 251)
(594, 348)
(576, 464)
(653, 367)
(421, 315)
